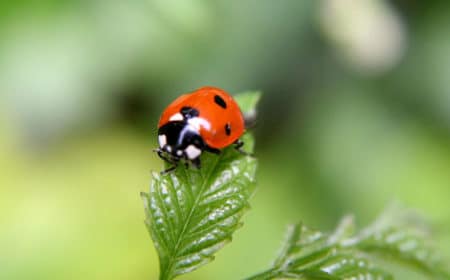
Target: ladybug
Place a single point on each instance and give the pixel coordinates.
(207, 119)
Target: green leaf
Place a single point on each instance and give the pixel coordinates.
(352, 266)
(401, 236)
(192, 213)
(309, 254)
(247, 101)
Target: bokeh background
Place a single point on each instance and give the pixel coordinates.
(355, 115)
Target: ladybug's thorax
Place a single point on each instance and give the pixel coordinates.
(180, 139)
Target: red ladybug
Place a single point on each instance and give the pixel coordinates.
(207, 119)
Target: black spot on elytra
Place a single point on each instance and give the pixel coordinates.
(189, 112)
(219, 101)
(228, 129)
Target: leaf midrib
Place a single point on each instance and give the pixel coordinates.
(207, 179)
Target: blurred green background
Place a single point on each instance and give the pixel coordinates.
(355, 114)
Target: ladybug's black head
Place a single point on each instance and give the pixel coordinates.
(180, 140)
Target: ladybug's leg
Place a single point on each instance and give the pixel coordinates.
(162, 156)
(212, 150)
(172, 161)
(238, 144)
(170, 169)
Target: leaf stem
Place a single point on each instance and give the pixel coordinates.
(268, 274)
(165, 274)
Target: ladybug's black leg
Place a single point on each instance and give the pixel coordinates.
(212, 150)
(162, 156)
(238, 144)
(172, 161)
(170, 169)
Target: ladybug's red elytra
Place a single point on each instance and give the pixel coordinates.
(207, 119)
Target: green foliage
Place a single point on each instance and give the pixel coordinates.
(401, 236)
(344, 254)
(192, 213)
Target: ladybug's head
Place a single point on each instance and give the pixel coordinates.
(180, 140)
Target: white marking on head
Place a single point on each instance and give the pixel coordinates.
(169, 149)
(176, 117)
(179, 153)
(197, 123)
(162, 139)
(192, 152)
